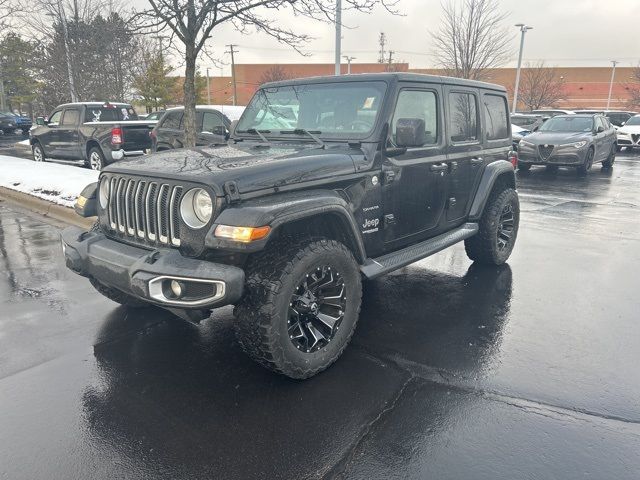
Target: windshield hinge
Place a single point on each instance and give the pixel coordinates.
(231, 191)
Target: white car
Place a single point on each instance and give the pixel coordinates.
(629, 133)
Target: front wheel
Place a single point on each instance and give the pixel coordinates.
(608, 163)
(301, 306)
(588, 162)
(496, 237)
(38, 152)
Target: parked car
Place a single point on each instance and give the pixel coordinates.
(577, 140)
(617, 117)
(98, 133)
(528, 121)
(22, 122)
(629, 134)
(7, 123)
(517, 134)
(154, 116)
(552, 112)
(285, 223)
(212, 126)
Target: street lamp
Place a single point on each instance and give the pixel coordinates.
(523, 29)
(338, 34)
(348, 59)
(613, 74)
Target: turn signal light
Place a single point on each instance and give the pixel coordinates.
(241, 234)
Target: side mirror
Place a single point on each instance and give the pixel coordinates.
(600, 130)
(220, 130)
(410, 132)
(622, 124)
(40, 121)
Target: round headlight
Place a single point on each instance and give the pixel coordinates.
(104, 192)
(196, 208)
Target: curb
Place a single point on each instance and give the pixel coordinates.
(45, 208)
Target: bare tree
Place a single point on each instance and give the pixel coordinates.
(471, 38)
(634, 88)
(274, 74)
(541, 86)
(191, 24)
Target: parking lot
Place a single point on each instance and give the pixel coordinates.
(529, 370)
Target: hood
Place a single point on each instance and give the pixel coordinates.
(632, 129)
(252, 168)
(557, 138)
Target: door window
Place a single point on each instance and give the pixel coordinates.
(463, 118)
(599, 123)
(172, 120)
(419, 104)
(54, 119)
(210, 121)
(496, 117)
(70, 118)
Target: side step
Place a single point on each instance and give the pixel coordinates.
(374, 267)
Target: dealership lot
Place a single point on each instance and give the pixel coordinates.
(525, 371)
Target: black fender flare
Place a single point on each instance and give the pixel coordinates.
(491, 174)
(278, 210)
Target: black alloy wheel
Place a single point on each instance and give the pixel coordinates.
(506, 226)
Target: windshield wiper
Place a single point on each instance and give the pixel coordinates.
(258, 133)
(304, 131)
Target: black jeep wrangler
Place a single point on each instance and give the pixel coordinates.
(324, 182)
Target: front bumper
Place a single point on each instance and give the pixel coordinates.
(142, 273)
(628, 140)
(120, 154)
(563, 156)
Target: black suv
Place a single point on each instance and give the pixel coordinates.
(212, 126)
(362, 175)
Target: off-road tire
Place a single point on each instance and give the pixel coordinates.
(113, 293)
(95, 159)
(38, 157)
(483, 246)
(588, 162)
(261, 325)
(524, 167)
(608, 163)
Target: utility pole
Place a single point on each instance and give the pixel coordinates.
(208, 89)
(1, 87)
(65, 33)
(348, 59)
(390, 62)
(523, 30)
(382, 40)
(613, 75)
(338, 35)
(233, 71)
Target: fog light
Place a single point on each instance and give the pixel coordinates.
(177, 288)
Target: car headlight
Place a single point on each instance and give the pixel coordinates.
(580, 144)
(524, 143)
(196, 208)
(103, 193)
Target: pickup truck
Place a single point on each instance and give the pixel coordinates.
(98, 133)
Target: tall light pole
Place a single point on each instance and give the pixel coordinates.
(348, 59)
(523, 30)
(613, 75)
(208, 89)
(338, 34)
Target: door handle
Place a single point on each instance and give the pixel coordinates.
(477, 161)
(439, 168)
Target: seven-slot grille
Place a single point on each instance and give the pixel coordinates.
(545, 151)
(144, 209)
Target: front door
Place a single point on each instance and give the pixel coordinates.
(211, 126)
(415, 182)
(49, 137)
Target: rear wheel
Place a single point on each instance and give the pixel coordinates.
(608, 163)
(588, 162)
(96, 159)
(498, 229)
(38, 152)
(301, 306)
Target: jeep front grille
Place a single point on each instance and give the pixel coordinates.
(145, 210)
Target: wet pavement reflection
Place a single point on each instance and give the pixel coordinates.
(456, 371)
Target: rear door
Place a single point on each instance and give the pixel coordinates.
(415, 183)
(212, 123)
(464, 151)
(68, 137)
(169, 134)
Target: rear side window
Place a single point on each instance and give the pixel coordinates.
(172, 120)
(463, 117)
(496, 115)
(418, 104)
(109, 114)
(70, 117)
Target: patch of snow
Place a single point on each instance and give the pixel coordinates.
(60, 184)
(24, 142)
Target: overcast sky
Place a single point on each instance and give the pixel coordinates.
(566, 33)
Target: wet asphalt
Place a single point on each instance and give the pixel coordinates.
(528, 371)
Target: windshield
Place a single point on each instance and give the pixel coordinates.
(633, 120)
(342, 110)
(568, 124)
